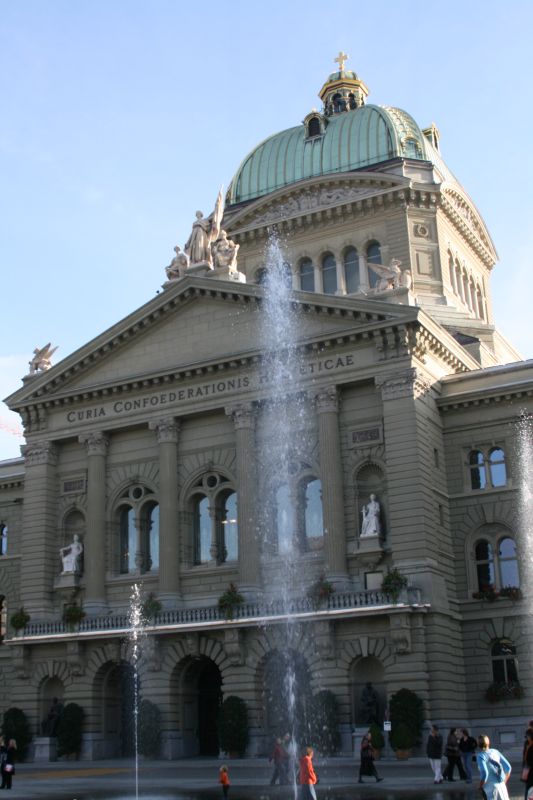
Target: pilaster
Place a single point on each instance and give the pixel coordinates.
(327, 410)
(244, 420)
(40, 558)
(96, 445)
(167, 431)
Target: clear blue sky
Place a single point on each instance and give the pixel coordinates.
(121, 118)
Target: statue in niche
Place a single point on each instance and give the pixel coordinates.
(51, 721)
(41, 360)
(178, 265)
(369, 705)
(225, 252)
(371, 522)
(71, 555)
(204, 233)
(389, 277)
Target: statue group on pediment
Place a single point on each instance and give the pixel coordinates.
(208, 245)
(308, 200)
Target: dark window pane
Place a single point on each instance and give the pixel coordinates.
(373, 256)
(512, 672)
(127, 540)
(351, 270)
(329, 274)
(314, 126)
(498, 670)
(202, 530)
(307, 275)
(476, 457)
(483, 551)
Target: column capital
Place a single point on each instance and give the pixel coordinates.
(403, 383)
(40, 453)
(327, 400)
(166, 429)
(244, 415)
(96, 443)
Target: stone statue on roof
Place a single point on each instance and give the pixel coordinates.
(225, 252)
(178, 265)
(41, 360)
(204, 233)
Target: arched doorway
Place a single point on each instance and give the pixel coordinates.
(201, 696)
(286, 689)
(369, 693)
(116, 702)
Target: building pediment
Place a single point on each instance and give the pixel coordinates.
(311, 196)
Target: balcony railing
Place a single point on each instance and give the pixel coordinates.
(339, 604)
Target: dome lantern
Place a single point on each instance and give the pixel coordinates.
(343, 90)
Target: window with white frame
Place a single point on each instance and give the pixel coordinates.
(298, 517)
(487, 468)
(496, 561)
(504, 665)
(215, 532)
(137, 520)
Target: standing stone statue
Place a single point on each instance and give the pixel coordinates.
(371, 522)
(71, 555)
(369, 704)
(51, 721)
(204, 233)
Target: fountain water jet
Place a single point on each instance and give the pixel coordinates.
(137, 625)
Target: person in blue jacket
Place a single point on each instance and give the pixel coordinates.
(494, 770)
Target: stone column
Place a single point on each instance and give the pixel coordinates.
(327, 409)
(244, 418)
(95, 545)
(167, 431)
(39, 547)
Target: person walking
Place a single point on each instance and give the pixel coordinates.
(278, 758)
(453, 755)
(367, 766)
(308, 777)
(494, 770)
(434, 753)
(467, 748)
(527, 766)
(223, 779)
(8, 764)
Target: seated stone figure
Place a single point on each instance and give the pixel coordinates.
(225, 252)
(71, 555)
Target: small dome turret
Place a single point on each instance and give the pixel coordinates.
(343, 90)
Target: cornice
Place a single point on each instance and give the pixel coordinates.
(486, 396)
(469, 224)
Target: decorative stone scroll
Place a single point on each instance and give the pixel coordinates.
(405, 383)
(167, 429)
(96, 443)
(327, 400)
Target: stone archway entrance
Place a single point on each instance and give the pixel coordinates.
(117, 710)
(201, 695)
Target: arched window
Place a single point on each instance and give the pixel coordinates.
(451, 270)
(227, 528)
(351, 270)
(312, 516)
(314, 127)
(478, 477)
(480, 304)
(127, 539)
(283, 519)
(487, 468)
(466, 293)
(307, 275)
(411, 148)
(484, 565)
(373, 256)
(329, 274)
(504, 668)
(508, 563)
(202, 530)
(3, 538)
(150, 536)
(497, 471)
(459, 281)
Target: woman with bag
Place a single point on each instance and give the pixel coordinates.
(367, 766)
(527, 768)
(8, 765)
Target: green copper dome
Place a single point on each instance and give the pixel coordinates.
(353, 140)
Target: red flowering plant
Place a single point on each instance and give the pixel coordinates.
(486, 592)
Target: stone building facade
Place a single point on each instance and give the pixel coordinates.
(151, 445)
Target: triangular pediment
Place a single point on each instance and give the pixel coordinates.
(309, 196)
(201, 324)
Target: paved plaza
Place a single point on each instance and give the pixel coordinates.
(411, 780)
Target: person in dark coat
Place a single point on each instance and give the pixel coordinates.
(8, 765)
(278, 757)
(434, 753)
(367, 766)
(453, 754)
(467, 748)
(528, 761)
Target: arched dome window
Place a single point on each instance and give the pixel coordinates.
(307, 275)
(313, 128)
(351, 270)
(373, 256)
(329, 274)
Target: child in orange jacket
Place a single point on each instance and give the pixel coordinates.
(308, 777)
(223, 778)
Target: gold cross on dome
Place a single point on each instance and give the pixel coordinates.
(341, 58)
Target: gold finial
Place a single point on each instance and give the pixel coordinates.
(341, 58)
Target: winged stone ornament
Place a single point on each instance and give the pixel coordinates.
(42, 358)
